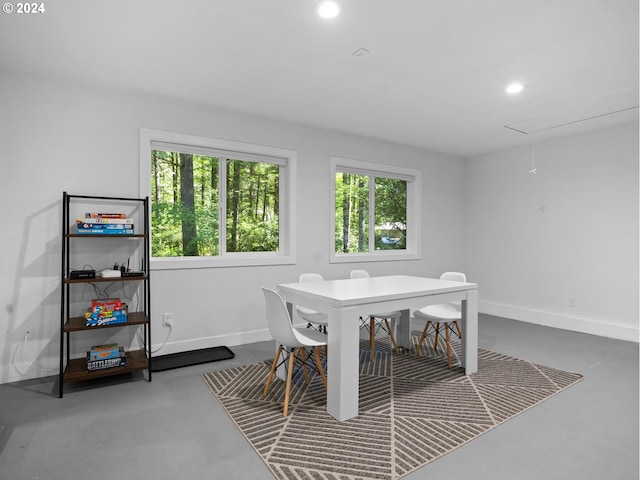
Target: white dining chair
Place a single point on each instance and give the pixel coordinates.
(315, 319)
(376, 321)
(292, 344)
(446, 315)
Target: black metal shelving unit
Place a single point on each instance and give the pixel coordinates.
(75, 369)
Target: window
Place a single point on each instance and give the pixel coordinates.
(216, 203)
(376, 211)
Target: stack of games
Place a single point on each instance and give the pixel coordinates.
(106, 356)
(105, 224)
(106, 312)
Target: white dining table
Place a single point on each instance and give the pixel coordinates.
(346, 299)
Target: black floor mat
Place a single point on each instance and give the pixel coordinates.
(193, 357)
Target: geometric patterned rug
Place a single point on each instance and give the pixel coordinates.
(411, 411)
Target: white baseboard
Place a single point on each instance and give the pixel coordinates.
(26, 371)
(582, 325)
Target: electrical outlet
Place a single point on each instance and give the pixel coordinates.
(572, 302)
(167, 319)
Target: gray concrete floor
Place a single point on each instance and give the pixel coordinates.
(174, 428)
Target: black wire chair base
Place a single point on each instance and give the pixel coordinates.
(436, 327)
(379, 325)
(317, 327)
(309, 359)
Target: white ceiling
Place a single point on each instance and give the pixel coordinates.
(434, 76)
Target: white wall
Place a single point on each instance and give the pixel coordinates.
(570, 230)
(531, 241)
(58, 135)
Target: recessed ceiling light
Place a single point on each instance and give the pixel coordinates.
(328, 8)
(514, 88)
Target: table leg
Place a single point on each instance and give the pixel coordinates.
(470, 332)
(343, 363)
(403, 330)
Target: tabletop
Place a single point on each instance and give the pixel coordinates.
(348, 291)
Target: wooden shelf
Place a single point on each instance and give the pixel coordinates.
(77, 324)
(101, 279)
(77, 368)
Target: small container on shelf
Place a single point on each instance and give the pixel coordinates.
(106, 312)
(110, 362)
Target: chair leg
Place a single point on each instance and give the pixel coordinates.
(422, 337)
(393, 340)
(372, 337)
(435, 342)
(316, 352)
(288, 387)
(304, 363)
(458, 329)
(446, 331)
(273, 369)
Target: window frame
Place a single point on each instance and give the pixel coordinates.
(286, 254)
(414, 210)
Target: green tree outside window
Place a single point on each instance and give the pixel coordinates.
(186, 205)
(362, 200)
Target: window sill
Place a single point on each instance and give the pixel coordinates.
(373, 257)
(185, 263)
